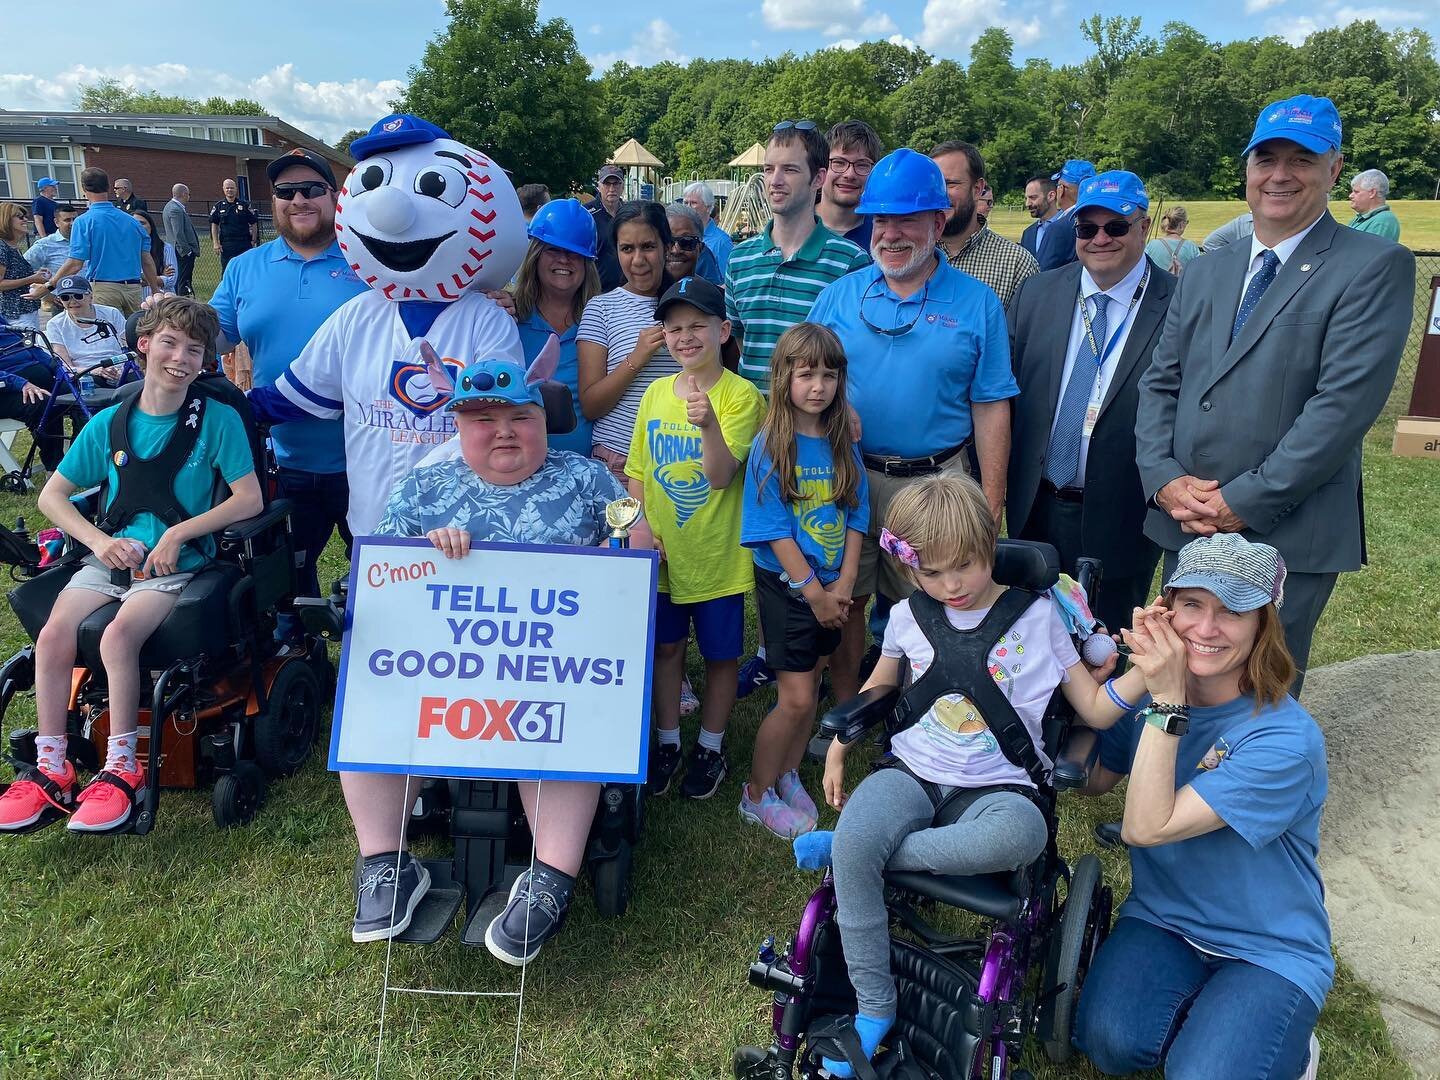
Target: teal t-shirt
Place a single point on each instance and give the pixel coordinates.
(221, 448)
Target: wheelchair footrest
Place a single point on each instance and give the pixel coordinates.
(47, 817)
(436, 912)
(483, 915)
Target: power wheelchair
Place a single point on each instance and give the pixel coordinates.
(227, 704)
(967, 1005)
(484, 818)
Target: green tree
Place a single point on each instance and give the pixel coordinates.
(826, 86)
(112, 96)
(503, 82)
(894, 65)
(932, 107)
(343, 143)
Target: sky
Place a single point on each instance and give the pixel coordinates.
(329, 68)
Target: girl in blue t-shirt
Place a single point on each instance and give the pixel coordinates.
(807, 506)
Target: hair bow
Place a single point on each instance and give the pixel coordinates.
(899, 548)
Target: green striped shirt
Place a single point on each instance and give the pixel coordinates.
(766, 293)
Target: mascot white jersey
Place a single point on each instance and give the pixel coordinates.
(427, 223)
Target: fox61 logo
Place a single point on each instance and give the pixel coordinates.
(490, 719)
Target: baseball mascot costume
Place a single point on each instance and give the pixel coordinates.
(429, 224)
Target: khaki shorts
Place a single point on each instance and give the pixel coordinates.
(883, 574)
(97, 579)
(113, 294)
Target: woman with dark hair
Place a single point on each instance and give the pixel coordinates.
(1220, 960)
(160, 251)
(621, 345)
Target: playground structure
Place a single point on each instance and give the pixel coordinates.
(740, 200)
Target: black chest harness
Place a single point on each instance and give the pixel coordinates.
(147, 485)
(961, 666)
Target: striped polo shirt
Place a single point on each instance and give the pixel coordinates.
(766, 293)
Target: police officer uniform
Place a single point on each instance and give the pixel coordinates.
(234, 221)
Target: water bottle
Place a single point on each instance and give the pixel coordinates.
(87, 387)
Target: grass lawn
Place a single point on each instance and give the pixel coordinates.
(197, 953)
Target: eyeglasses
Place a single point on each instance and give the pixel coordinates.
(798, 125)
(611, 180)
(1086, 230)
(861, 166)
(685, 243)
(311, 189)
(895, 331)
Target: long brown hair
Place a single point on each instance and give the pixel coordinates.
(527, 284)
(809, 345)
(1269, 669)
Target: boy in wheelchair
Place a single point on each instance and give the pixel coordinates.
(157, 455)
(985, 662)
(502, 486)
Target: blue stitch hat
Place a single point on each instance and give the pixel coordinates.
(494, 382)
(1313, 122)
(397, 129)
(1117, 190)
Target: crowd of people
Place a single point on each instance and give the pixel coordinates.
(841, 415)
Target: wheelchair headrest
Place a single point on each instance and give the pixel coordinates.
(559, 408)
(1026, 564)
(132, 331)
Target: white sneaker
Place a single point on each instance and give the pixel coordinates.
(1312, 1067)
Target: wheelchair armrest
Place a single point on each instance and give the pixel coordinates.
(858, 715)
(321, 616)
(241, 531)
(1078, 754)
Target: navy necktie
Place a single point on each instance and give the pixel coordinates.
(1062, 460)
(1269, 266)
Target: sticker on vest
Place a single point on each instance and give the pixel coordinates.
(956, 719)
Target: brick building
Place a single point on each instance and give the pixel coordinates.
(153, 152)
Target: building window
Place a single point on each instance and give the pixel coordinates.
(55, 161)
(4, 173)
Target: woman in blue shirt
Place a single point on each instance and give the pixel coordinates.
(555, 282)
(1220, 960)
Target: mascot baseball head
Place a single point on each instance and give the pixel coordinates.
(423, 217)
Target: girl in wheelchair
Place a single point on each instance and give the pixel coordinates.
(147, 545)
(977, 707)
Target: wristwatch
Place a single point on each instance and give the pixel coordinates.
(1171, 719)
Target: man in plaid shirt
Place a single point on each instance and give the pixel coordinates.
(969, 243)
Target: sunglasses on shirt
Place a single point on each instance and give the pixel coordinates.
(1087, 230)
(312, 189)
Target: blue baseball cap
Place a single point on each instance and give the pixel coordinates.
(1245, 576)
(397, 129)
(1313, 122)
(1074, 170)
(46, 181)
(1116, 190)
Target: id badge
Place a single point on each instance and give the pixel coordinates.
(1092, 411)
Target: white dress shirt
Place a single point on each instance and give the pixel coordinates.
(1283, 250)
(1117, 329)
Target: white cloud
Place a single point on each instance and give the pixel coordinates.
(1295, 29)
(952, 25)
(324, 109)
(855, 43)
(1254, 7)
(657, 42)
(831, 18)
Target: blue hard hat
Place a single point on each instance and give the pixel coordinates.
(904, 182)
(565, 224)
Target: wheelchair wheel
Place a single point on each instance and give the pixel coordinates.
(1084, 923)
(15, 483)
(238, 795)
(610, 879)
(285, 731)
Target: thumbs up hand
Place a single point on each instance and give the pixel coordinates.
(697, 405)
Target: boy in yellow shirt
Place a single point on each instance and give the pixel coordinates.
(692, 434)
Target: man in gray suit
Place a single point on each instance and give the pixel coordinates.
(1277, 356)
(180, 231)
(1080, 338)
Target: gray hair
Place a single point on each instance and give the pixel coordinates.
(689, 213)
(180, 189)
(707, 196)
(127, 183)
(1372, 180)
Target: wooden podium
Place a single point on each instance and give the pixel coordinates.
(1418, 434)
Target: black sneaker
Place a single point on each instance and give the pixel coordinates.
(535, 914)
(385, 899)
(704, 773)
(664, 764)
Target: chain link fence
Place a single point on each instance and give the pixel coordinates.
(206, 278)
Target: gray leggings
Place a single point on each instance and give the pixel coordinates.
(886, 825)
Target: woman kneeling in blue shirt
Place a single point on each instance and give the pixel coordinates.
(1220, 960)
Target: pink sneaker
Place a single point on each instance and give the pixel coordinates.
(793, 792)
(108, 800)
(773, 813)
(34, 793)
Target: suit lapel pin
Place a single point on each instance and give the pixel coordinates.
(1304, 267)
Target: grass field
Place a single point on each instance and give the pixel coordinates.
(197, 953)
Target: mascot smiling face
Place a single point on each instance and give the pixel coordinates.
(423, 217)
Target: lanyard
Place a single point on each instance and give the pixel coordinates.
(1101, 355)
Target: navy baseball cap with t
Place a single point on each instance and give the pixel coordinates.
(1118, 190)
(1312, 122)
(695, 291)
(397, 129)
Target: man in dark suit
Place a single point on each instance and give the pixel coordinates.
(1057, 247)
(1080, 338)
(1277, 355)
(1040, 205)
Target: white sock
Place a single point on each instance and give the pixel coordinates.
(711, 740)
(669, 736)
(120, 752)
(50, 752)
(760, 652)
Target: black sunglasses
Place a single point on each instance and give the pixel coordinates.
(1086, 230)
(62, 297)
(895, 331)
(685, 243)
(311, 189)
(798, 125)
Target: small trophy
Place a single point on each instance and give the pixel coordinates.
(621, 515)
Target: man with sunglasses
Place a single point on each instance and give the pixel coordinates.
(854, 149)
(929, 369)
(1081, 337)
(610, 185)
(273, 298)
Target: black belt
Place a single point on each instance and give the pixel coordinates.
(116, 281)
(1066, 494)
(902, 467)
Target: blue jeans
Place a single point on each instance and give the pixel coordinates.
(319, 502)
(1151, 996)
